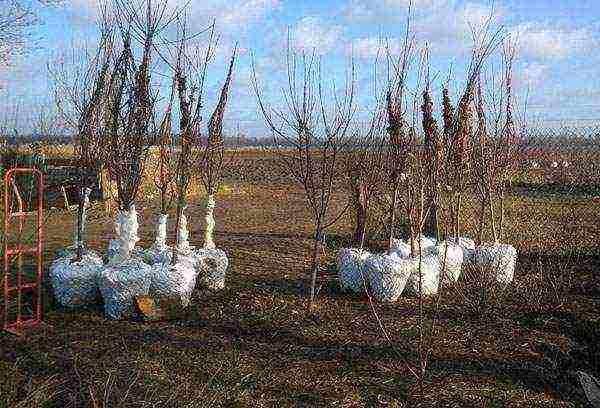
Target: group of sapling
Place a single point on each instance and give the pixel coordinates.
(117, 128)
(430, 176)
(432, 172)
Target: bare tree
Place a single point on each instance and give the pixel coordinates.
(365, 172)
(212, 156)
(398, 131)
(131, 107)
(365, 165)
(317, 139)
(208, 159)
(435, 154)
(497, 145)
(81, 91)
(190, 107)
(460, 129)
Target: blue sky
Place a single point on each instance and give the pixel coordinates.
(558, 59)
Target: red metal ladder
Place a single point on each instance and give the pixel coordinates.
(14, 287)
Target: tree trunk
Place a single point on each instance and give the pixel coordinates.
(481, 220)
(316, 260)
(210, 223)
(84, 199)
(160, 242)
(79, 226)
(393, 218)
(183, 234)
(458, 211)
(129, 234)
(360, 207)
(502, 199)
(180, 205)
(493, 217)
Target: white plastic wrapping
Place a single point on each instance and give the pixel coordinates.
(450, 257)
(427, 245)
(212, 267)
(174, 281)
(129, 234)
(160, 242)
(86, 203)
(209, 242)
(183, 235)
(76, 284)
(401, 248)
(121, 284)
(468, 247)
(165, 256)
(113, 245)
(430, 275)
(351, 269)
(388, 275)
(502, 258)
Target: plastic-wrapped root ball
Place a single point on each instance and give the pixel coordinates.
(430, 275)
(174, 281)
(121, 284)
(75, 284)
(450, 257)
(388, 275)
(351, 269)
(401, 248)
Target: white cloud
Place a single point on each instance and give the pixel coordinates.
(543, 42)
(532, 74)
(246, 12)
(450, 29)
(313, 33)
(370, 47)
(389, 10)
(231, 14)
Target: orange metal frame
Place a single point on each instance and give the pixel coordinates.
(20, 324)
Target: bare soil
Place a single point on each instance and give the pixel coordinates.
(256, 343)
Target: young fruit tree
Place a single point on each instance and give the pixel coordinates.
(317, 140)
(129, 131)
(81, 95)
(211, 160)
(398, 131)
(497, 146)
(164, 170)
(206, 160)
(459, 128)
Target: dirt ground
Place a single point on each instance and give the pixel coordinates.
(257, 344)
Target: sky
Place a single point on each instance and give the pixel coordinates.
(557, 69)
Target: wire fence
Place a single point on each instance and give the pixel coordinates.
(555, 198)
